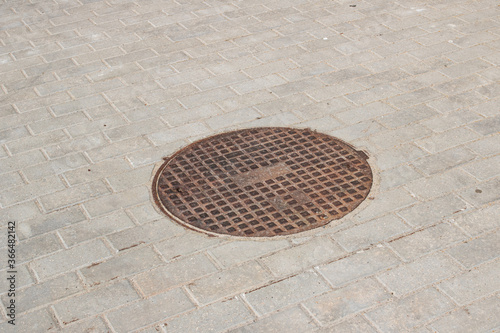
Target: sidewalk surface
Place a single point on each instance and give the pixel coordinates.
(94, 93)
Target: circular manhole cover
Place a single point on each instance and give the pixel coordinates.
(262, 182)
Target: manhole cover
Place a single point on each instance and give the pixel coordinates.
(262, 182)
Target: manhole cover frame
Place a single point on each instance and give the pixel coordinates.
(331, 223)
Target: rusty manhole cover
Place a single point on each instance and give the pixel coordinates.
(262, 182)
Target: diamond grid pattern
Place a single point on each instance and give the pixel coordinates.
(263, 182)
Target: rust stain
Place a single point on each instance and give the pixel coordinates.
(131, 246)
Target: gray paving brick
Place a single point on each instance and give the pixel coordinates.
(286, 292)
(281, 105)
(483, 193)
(378, 92)
(325, 124)
(36, 225)
(233, 118)
(396, 137)
(35, 142)
(445, 160)
(347, 301)
(359, 265)
(479, 221)
(432, 211)
(345, 75)
(94, 228)
(150, 155)
(214, 318)
(441, 184)
(484, 169)
(39, 320)
(174, 274)
(407, 116)
(240, 251)
(356, 324)
(10, 118)
(491, 90)
(419, 273)
(247, 100)
(55, 167)
(461, 84)
(57, 86)
(73, 195)
(185, 244)
(130, 262)
(476, 283)
(414, 97)
(134, 111)
(150, 310)
(178, 133)
(428, 240)
(47, 292)
(456, 102)
(448, 139)
(291, 260)
(129, 179)
(405, 153)
(465, 68)
(482, 316)
(115, 201)
(487, 109)
(230, 282)
(153, 95)
(146, 233)
(13, 134)
(31, 191)
(477, 251)
(487, 126)
(193, 115)
(113, 72)
(371, 232)
(206, 97)
(71, 259)
(337, 90)
(144, 213)
(135, 129)
(95, 126)
(400, 175)
(291, 319)
(96, 171)
(264, 82)
(71, 146)
(487, 146)
(409, 312)
(23, 279)
(79, 104)
(115, 149)
(95, 301)
(370, 111)
(95, 324)
(386, 201)
(220, 80)
(95, 88)
(37, 247)
(451, 120)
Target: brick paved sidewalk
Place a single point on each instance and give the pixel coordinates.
(94, 93)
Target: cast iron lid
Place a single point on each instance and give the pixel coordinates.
(262, 182)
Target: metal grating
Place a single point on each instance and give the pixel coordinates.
(262, 182)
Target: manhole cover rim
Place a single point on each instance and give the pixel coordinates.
(158, 170)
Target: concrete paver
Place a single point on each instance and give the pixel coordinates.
(94, 93)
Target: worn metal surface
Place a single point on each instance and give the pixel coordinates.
(262, 182)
